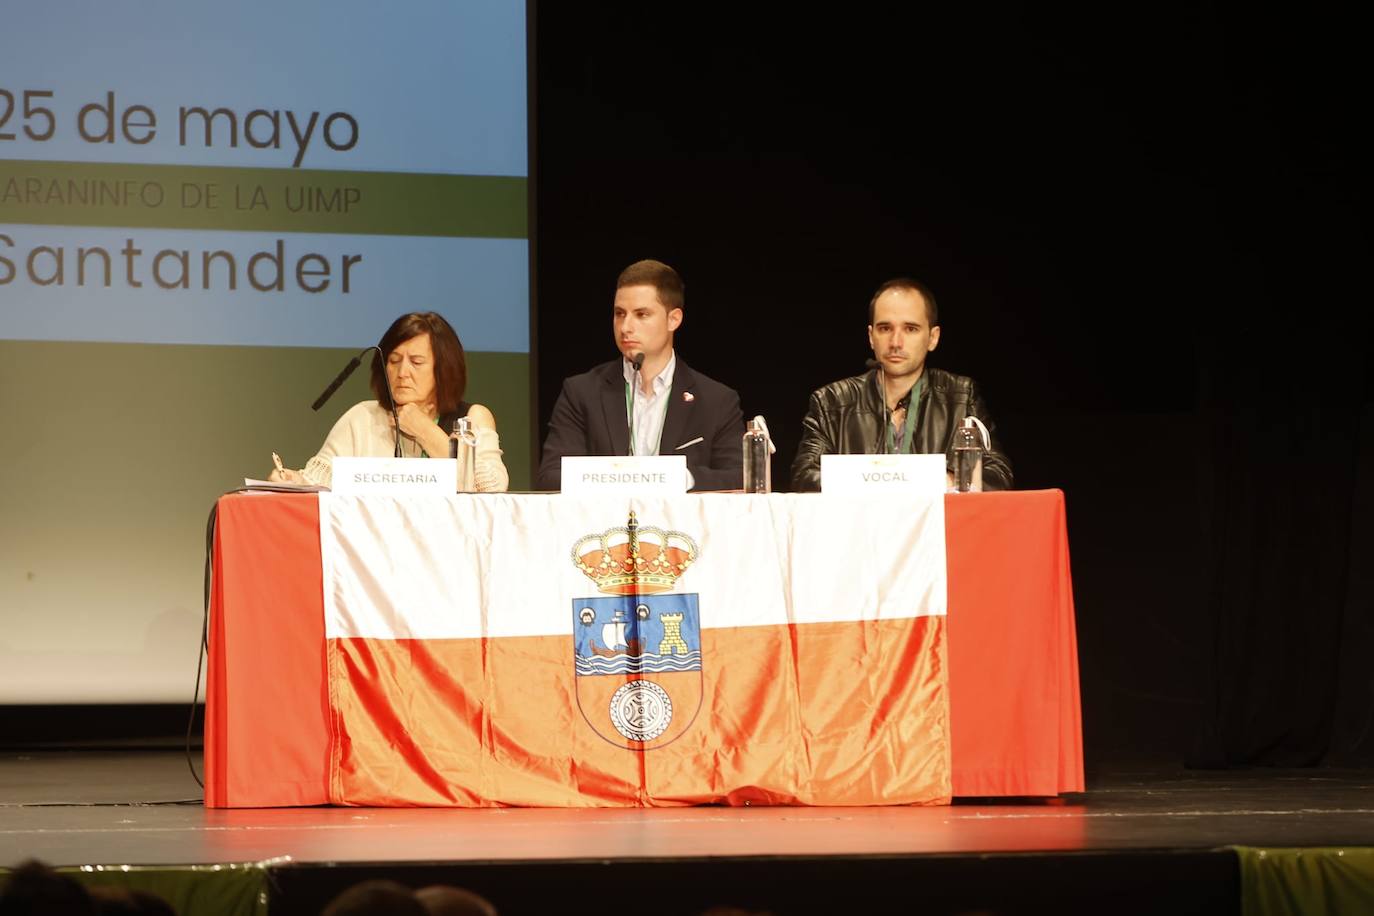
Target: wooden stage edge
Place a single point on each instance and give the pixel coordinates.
(1134, 842)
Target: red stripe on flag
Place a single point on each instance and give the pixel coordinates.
(814, 714)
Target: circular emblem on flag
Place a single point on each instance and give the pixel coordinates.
(641, 710)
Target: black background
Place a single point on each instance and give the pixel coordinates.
(1148, 234)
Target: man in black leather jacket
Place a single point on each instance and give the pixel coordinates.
(872, 413)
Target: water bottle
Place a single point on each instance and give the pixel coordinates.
(758, 472)
(463, 434)
(968, 457)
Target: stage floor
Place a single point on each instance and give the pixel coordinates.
(74, 807)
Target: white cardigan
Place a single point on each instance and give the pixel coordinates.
(365, 431)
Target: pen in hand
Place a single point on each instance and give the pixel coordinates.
(276, 459)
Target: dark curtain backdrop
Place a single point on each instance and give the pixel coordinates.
(1148, 234)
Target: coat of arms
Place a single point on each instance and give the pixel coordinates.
(637, 646)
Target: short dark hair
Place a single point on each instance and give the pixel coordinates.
(446, 900)
(910, 285)
(36, 887)
(375, 898)
(450, 362)
(672, 292)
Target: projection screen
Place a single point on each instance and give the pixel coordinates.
(205, 211)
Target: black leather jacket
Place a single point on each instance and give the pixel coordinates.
(847, 417)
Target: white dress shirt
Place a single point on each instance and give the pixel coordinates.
(649, 409)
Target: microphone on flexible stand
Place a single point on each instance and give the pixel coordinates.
(882, 399)
(343, 376)
(339, 380)
(636, 363)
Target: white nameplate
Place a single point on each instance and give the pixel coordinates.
(625, 474)
(395, 475)
(871, 473)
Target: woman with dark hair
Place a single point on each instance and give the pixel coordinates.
(428, 372)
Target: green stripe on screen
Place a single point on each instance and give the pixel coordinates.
(198, 419)
(262, 200)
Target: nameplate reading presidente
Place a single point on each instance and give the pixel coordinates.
(625, 474)
(870, 473)
(395, 475)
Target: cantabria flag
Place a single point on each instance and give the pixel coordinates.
(560, 651)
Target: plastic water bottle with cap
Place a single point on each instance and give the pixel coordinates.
(968, 457)
(758, 468)
(463, 434)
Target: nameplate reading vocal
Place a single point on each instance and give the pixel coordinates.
(396, 475)
(625, 474)
(870, 473)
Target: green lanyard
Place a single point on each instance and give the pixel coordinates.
(908, 422)
(629, 412)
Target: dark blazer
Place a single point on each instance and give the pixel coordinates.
(589, 419)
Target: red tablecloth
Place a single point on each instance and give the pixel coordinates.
(1013, 660)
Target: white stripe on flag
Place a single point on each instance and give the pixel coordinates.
(501, 564)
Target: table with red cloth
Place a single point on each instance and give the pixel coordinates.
(1012, 657)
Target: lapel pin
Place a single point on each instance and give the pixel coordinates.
(687, 396)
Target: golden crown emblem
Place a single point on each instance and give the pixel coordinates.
(634, 559)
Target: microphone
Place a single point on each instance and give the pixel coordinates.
(354, 363)
(882, 399)
(328, 393)
(636, 363)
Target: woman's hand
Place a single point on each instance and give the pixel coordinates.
(415, 421)
(286, 475)
(420, 426)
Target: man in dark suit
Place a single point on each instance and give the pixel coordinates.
(675, 411)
